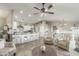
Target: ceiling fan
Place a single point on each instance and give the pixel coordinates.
(43, 9)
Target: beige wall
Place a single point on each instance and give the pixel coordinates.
(2, 22)
(6, 21)
(9, 20)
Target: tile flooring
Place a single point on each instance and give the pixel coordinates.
(26, 49)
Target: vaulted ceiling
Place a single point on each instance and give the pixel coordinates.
(66, 11)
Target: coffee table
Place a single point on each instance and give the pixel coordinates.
(50, 51)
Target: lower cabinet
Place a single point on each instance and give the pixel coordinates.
(18, 39)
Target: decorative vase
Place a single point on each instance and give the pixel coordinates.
(43, 48)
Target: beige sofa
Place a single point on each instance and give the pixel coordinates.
(8, 50)
(64, 44)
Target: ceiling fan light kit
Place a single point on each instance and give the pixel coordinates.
(44, 10)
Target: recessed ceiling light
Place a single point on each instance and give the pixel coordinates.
(16, 16)
(29, 15)
(21, 12)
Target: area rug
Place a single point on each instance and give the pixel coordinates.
(49, 51)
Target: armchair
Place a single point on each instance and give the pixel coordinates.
(48, 39)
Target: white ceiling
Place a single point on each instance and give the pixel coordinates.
(66, 11)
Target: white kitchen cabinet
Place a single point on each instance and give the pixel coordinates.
(18, 39)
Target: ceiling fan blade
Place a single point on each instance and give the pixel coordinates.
(50, 6)
(50, 12)
(36, 8)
